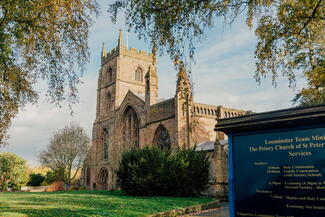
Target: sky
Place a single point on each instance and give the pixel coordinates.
(222, 75)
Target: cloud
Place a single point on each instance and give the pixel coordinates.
(227, 43)
(223, 75)
(33, 127)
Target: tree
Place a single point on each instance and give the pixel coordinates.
(291, 40)
(41, 39)
(50, 177)
(13, 171)
(66, 152)
(290, 33)
(35, 179)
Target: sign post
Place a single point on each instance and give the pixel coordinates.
(277, 163)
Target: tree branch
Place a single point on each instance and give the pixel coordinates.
(311, 17)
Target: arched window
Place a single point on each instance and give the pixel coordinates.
(105, 143)
(102, 179)
(139, 74)
(161, 138)
(130, 127)
(110, 75)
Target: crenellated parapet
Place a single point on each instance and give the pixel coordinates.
(110, 55)
(131, 52)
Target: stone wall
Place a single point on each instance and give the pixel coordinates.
(218, 172)
(151, 129)
(162, 110)
(118, 89)
(203, 130)
(230, 112)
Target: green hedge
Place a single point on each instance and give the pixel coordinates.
(152, 171)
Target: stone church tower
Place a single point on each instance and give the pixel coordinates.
(130, 114)
(123, 70)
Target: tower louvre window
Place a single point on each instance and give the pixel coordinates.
(139, 74)
(109, 101)
(110, 75)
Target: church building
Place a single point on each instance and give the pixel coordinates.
(129, 113)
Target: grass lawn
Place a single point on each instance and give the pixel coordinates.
(88, 203)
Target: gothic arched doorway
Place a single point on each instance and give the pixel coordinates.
(161, 138)
(102, 179)
(130, 127)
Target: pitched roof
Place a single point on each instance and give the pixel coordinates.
(209, 145)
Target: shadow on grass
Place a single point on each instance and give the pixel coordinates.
(88, 203)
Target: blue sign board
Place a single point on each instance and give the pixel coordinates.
(278, 174)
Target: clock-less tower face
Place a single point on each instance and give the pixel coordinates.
(122, 69)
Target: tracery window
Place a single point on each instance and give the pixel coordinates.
(105, 143)
(130, 127)
(161, 138)
(139, 74)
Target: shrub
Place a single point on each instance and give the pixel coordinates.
(35, 179)
(50, 177)
(152, 171)
(13, 171)
(56, 186)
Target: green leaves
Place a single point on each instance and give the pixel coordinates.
(171, 24)
(13, 171)
(290, 34)
(41, 39)
(291, 43)
(152, 171)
